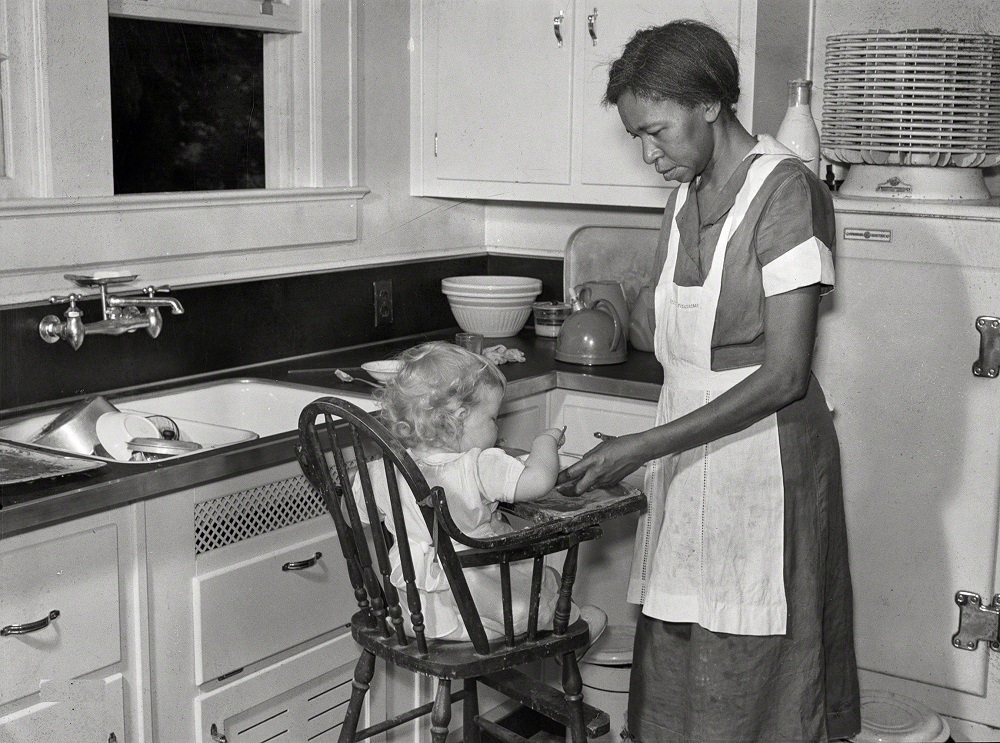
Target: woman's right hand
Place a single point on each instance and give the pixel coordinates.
(606, 464)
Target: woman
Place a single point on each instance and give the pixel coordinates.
(741, 558)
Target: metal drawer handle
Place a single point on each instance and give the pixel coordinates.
(24, 629)
(557, 27)
(302, 564)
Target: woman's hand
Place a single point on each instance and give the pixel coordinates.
(606, 464)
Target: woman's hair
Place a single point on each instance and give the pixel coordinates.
(683, 61)
(421, 403)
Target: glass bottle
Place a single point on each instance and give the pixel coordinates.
(798, 129)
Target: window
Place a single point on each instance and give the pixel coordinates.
(187, 107)
(60, 191)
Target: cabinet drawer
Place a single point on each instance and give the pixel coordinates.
(306, 693)
(251, 610)
(77, 576)
(583, 414)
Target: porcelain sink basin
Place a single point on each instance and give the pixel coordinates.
(259, 405)
(23, 430)
(213, 414)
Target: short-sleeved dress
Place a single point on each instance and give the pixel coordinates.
(741, 558)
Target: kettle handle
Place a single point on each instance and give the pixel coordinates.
(614, 318)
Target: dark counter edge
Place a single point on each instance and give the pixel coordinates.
(28, 507)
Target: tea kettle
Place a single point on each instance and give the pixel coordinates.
(593, 334)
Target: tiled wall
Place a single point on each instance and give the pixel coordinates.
(241, 324)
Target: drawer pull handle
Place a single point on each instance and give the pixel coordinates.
(302, 564)
(24, 629)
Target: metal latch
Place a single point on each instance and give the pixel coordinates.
(988, 363)
(976, 622)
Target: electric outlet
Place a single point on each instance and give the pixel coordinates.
(383, 302)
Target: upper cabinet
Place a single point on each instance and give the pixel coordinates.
(506, 96)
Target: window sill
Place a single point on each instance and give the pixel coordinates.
(171, 238)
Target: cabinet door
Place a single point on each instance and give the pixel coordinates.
(499, 94)
(585, 413)
(608, 154)
(501, 110)
(261, 605)
(520, 421)
(70, 712)
(302, 698)
(74, 580)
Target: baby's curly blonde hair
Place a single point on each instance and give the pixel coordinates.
(421, 403)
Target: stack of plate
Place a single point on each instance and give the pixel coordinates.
(923, 98)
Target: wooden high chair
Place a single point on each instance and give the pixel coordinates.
(334, 430)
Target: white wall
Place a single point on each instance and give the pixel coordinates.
(545, 230)
(395, 225)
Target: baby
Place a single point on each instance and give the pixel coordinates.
(443, 406)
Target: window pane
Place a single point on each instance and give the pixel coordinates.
(186, 106)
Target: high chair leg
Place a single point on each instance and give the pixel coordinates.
(470, 711)
(572, 685)
(363, 673)
(441, 712)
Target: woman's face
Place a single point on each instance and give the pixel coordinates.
(676, 140)
(479, 428)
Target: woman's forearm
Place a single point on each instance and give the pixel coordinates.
(783, 377)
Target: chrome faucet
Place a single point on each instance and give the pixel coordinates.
(123, 313)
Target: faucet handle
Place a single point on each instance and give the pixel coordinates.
(71, 298)
(149, 291)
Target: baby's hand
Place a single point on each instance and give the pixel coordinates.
(559, 434)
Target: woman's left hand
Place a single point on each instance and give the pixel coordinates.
(606, 464)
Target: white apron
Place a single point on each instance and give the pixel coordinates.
(710, 547)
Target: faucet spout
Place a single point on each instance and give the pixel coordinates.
(175, 306)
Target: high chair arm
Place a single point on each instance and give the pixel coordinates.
(525, 537)
(543, 546)
(553, 515)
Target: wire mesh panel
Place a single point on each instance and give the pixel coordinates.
(235, 517)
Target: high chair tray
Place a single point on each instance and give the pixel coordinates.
(591, 507)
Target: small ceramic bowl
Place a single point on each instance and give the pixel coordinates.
(382, 371)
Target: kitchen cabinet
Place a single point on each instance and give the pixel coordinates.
(250, 604)
(71, 661)
(603, 563)
(521, 420)
(506, 97)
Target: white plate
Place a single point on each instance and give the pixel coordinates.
(115, 430)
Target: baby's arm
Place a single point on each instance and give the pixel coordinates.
(541, 467)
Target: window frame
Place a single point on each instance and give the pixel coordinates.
(311, 197)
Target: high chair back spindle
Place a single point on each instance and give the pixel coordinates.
(377, 497)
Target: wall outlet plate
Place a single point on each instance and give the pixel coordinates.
(382, 299)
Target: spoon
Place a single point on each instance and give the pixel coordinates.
(345, 377)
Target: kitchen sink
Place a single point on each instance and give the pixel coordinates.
(23, 430)
(259, 405)
(213, 414)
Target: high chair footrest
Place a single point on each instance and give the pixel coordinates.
(499, 732)
(545, 699)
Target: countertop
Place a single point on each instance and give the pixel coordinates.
(43, 503)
